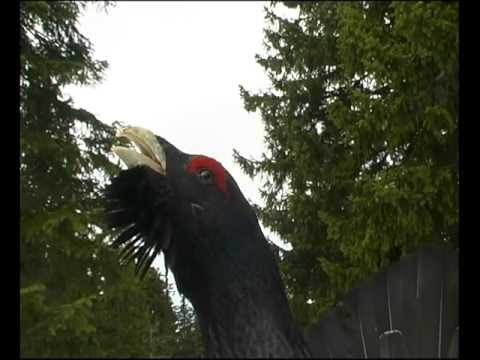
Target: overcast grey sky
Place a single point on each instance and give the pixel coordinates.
(175, 68)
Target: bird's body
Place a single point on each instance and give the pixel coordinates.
(189, 207)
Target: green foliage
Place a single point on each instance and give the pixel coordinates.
(362, 146)
(76, 301)
(138, 320)
(188, 341)
(45, 324)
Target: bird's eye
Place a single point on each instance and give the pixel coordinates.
(205, 176)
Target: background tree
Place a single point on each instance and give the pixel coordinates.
(189, 340)
(75, 299)
(362, 139)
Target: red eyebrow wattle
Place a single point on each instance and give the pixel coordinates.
(203, 162)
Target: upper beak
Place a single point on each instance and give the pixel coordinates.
(150, 153)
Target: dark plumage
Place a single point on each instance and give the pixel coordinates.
(189, 207)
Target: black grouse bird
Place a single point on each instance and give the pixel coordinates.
(189, 207)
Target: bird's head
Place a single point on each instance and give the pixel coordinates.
(189, 207)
